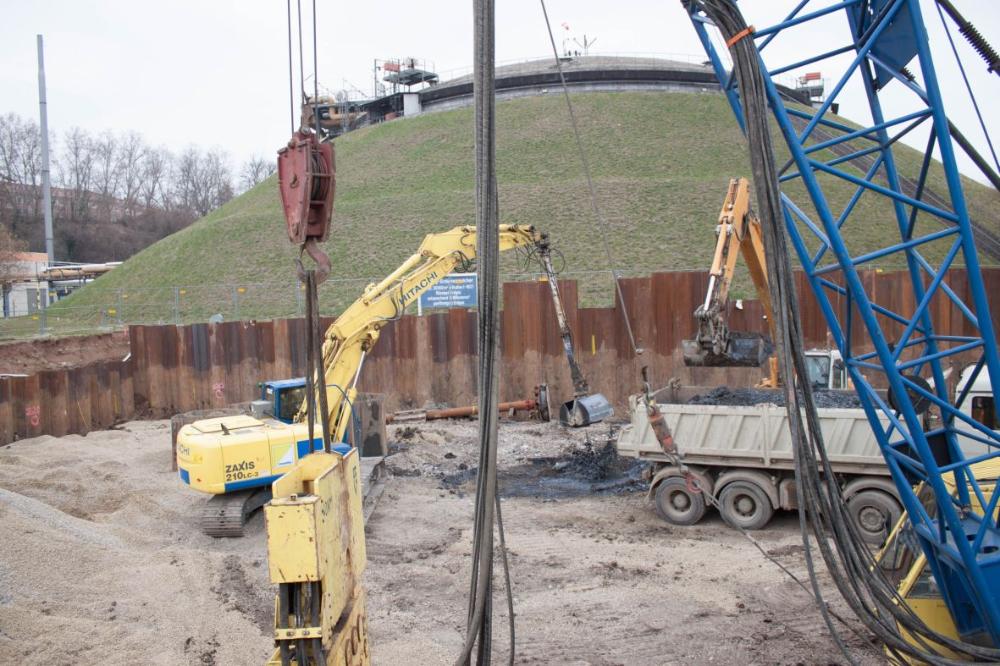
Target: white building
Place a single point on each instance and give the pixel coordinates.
(25, 289)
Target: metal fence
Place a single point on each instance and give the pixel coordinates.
(96, 309)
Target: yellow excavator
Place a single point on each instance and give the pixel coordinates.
(237, 458)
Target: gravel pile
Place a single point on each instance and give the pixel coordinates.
(101, 554)
(746, 397)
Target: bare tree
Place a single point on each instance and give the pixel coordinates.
(154, 185)
(187, 185)
(256, 170)
(202, 181)
(131, 151)
(103, 180)
(76, 167)
(219, 177)
(107, 173)
(20, 175)
(20, 150)
(10, 245)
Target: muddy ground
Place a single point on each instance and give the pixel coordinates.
(101, 556)
(59, 353)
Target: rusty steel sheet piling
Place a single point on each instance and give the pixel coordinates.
(430, 359)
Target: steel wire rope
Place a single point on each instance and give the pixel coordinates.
(487, 505)
(714, 501)
(751, 90)
(315, 102)
(355, 419)
(851, 565)
(968, 86)
(302, 80)
(973, 36)
(291, 74)
(602, 223)
(752, 95)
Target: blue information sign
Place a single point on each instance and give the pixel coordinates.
(453, 291)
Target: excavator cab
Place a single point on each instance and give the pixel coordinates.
(283, 398)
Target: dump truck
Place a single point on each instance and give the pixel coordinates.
(742, 454)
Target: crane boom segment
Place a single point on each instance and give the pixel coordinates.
(882, 342)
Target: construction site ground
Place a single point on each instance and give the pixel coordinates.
(101, 561)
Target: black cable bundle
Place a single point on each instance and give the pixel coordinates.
(821, 506)
(479, 628)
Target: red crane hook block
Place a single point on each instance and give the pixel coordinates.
(307, 181)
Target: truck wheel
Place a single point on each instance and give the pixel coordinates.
(874, 514)
(744, 505)
(677, 504)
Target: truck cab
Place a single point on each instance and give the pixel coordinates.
(826, 369)
(979, 405)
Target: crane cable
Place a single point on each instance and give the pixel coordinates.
(479, 626)
(968, 86)
(975, 39)
(291, 75)
(602, 223)
(851, 565)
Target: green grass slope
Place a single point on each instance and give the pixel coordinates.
(660, 161)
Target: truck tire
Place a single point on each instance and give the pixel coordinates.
(677, 504)
(745, 505)
(874, 514)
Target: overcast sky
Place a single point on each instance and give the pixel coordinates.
(214, 72)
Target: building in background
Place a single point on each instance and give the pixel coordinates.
(23, 283)
(28, 283)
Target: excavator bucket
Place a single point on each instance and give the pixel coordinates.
(585, 410)
(744, 350)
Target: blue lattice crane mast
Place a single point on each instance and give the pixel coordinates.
(902, 349)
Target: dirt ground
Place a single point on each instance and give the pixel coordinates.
(102, 557)
(58, 353)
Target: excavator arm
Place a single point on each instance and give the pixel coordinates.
(738, 232)
(585, 408)
(348, 340)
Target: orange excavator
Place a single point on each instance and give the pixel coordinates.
(715, 345)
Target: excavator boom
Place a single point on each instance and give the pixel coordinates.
(356, 330)
(738, 232)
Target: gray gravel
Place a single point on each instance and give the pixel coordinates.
(746, 397)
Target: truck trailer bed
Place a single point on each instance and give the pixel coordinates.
(750, 436)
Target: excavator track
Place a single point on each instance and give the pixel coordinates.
(226, 515)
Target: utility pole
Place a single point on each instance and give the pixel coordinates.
(46, 180)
